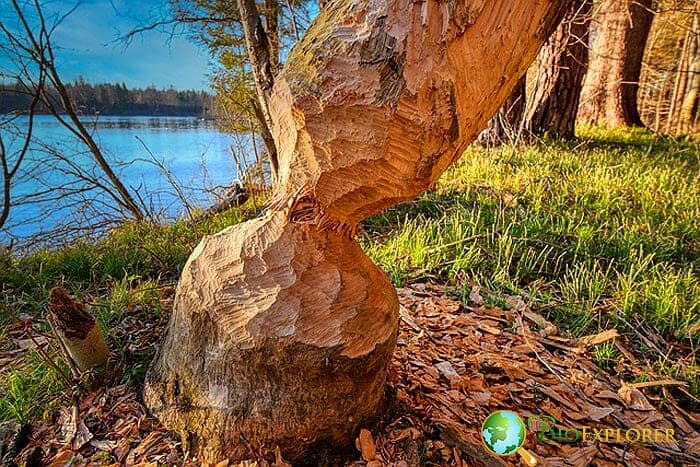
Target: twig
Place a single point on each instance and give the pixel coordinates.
(48, 359)
(71, 364)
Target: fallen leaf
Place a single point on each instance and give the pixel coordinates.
(598, 413)
(62, 458)
(633, 398)
(82, 436)
(515, 303)
(103, 444)
(68, 421)
(595, 339)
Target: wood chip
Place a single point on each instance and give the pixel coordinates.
(366, 446)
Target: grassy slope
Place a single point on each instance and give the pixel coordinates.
(599, 233)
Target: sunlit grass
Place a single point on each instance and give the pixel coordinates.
(125, 270)
(611, 218)
(29, 390)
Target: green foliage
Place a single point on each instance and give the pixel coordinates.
(30, 390)
(134, 252)
(217, 24)
(123, 271)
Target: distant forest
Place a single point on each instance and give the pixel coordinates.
(115, 99)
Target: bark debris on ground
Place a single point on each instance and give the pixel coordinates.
(453, 366)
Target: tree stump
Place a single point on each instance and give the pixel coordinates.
(78, 330)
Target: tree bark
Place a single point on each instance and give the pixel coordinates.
(272, 12)
(609, 96)
(680, 85)
(691, 102)
(506, 124)
(263, 66)
(282, 328)
(561, 67)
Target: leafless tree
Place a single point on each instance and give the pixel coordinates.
(11, 161)
(30, 46)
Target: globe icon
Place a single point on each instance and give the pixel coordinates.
(503, 432)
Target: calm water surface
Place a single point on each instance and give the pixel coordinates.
(195, 152)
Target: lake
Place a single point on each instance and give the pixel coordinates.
(196, 154)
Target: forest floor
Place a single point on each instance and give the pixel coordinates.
(555, 279)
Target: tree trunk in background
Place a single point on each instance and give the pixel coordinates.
(609, 96)
(691, 102)
(262, 64)
(282, 328)
(505, 126)
(561, 66)
(272, 13)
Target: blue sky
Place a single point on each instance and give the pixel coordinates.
(86, 44)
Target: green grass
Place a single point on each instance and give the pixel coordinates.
(601, 232)
(611, 221)
(29, 390)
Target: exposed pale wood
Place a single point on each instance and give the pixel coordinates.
(281, 334)
(380, 97)
(282, 328)
(78, 330)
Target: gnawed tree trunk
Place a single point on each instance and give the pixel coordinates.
(78, 330)
(282, 328)
(506, 124)
(609, 96)
(561, 66)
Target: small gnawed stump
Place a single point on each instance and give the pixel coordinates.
(78, 330)
(280, 336)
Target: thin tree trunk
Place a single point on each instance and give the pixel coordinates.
(689, 109)
(263, 68)
(272, 12)
(680, 85)
(505, 126)
(561, 67)
(609, 96)
(282, 328)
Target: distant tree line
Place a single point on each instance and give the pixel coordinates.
(111, 99)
